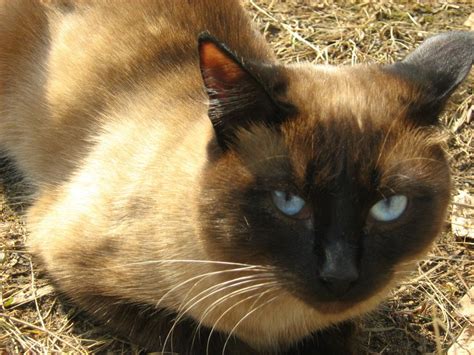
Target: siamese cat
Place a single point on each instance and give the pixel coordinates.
(195, 195)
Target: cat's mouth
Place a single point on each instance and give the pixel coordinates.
(326, 300)
(333, 304)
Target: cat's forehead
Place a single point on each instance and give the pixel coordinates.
(364, 94)
(347, 121)
(391, 156)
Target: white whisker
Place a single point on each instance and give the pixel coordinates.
(245, 317)
(197, 261)
(224, 298)
(232, 307)
(200, 278)
(217, 288)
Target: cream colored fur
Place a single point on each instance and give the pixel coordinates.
(116, 196)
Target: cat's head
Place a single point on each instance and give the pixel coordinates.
(332, 176)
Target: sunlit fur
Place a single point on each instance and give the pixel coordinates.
(142, 219)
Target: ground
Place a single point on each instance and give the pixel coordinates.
(420, 316)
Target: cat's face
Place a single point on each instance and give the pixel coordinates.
(337, 196)
(332, 177)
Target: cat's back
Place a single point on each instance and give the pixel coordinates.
(114, 43)
(65, 66)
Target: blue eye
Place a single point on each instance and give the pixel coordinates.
(389, 209)
(288, 203)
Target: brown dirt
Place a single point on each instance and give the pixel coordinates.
(419, 317)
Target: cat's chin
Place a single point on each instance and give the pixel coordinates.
(288, 319)
(327, 303)
(337, 307)
(333, 307)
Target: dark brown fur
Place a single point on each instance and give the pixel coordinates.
(155, 134)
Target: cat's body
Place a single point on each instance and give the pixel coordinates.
(143, 216)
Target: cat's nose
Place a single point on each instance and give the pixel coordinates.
(338, 284)
(339, 270)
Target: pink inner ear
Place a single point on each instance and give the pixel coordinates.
(218, 67)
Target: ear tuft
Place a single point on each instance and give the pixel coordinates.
(438, 66)
(238, 94)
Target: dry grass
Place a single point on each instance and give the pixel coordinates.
(420, 316)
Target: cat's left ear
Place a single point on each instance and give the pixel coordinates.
(239, 94)
(437, 66)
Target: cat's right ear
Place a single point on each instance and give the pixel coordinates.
(239, 93)
(437, 67)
